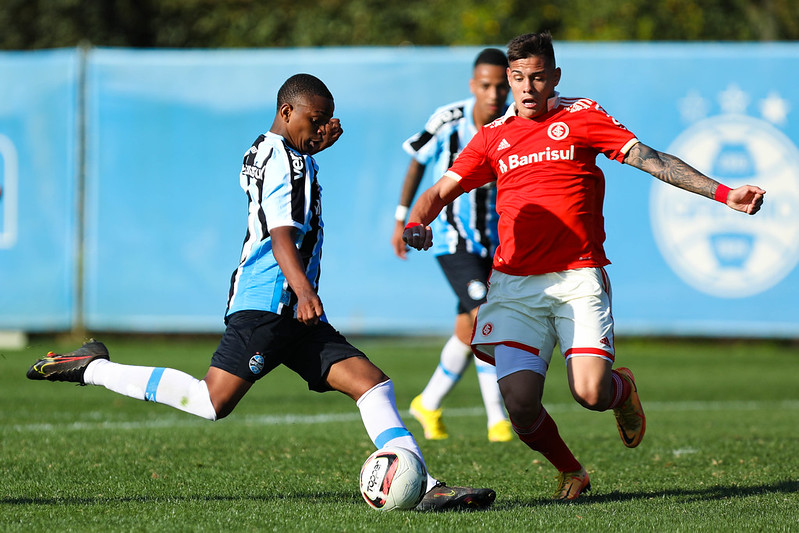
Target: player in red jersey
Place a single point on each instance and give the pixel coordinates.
(548, 284)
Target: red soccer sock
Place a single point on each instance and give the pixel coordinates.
(543, 437)
(621, 390)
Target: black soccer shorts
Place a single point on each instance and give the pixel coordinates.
(256, 342)
(467, 274)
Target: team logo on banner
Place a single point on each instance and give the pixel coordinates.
(714, 249)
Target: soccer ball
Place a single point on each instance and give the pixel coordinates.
(393, 478)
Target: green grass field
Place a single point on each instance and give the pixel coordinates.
(720, 453)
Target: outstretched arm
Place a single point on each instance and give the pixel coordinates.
(409, 187)
(418, 233)
(674, 171)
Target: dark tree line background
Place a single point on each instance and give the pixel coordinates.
(36, 24)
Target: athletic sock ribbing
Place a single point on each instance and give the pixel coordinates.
(621, 390)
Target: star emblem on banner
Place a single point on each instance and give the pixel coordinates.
(775, 109)
(733, 100)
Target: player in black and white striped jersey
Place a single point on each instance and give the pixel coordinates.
(274, 313)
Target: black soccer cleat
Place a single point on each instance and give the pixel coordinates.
(444, 498)
(69, 366)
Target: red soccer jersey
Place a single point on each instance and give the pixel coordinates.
(549, 189)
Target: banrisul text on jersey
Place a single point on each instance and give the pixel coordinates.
(549, 154)
(551, 190)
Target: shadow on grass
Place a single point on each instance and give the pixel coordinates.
(316, 497)
(717, 492)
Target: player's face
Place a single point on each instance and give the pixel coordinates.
(533, 82)
(305, 121)
(489, 85)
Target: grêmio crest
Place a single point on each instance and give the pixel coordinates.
(714, 249)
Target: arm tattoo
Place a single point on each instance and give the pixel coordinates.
(670, 169)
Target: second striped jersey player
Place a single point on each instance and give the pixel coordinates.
(466, 237)
(470, 222)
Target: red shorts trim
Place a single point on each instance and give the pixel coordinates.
(589, 351)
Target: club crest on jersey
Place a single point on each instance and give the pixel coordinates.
(256, 363)
(558, 131)
(488, 327)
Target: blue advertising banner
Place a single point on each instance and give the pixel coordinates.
(684, 265)
(38, 132)
(165, 216)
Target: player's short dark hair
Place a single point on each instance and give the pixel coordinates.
(301, 86)
(491, 56)
(532, 44)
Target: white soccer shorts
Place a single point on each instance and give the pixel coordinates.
(571, 308)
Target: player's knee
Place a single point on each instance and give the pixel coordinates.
(220, 408)
(221, 413)
(522, 409)
(592, 398)
(369, 376)
(355, 376)
(357, 391)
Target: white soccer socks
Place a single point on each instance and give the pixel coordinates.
(153, 384)
(455, 358)
(492, 398)
(378, 407)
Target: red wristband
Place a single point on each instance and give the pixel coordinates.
(412, 225)
(721, 193)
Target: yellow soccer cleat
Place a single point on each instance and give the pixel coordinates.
(430, 420)
(630, 417)
(571, 485)
(500, 432)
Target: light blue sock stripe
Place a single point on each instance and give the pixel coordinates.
(391, 434)
(451, 375)
(152, 384)
(485, 369)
